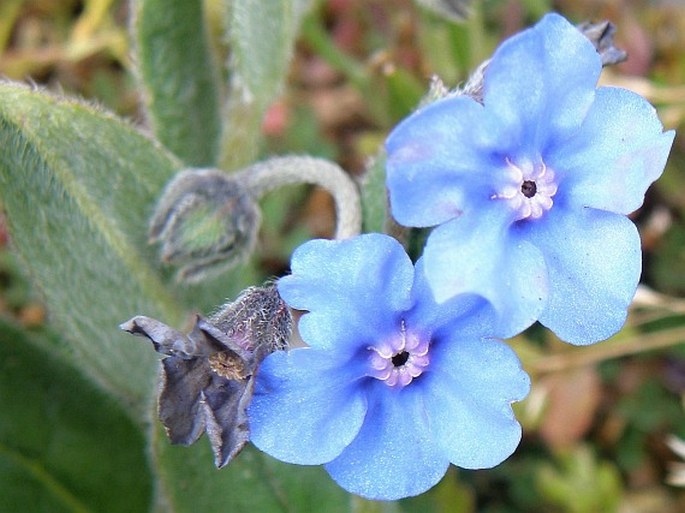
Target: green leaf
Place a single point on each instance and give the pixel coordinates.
(360, 505)
(78, 185)
(375, 214)
(580, 483)
(252, 482)
(179, 77)
(262, 36)
(668, 265)
(64, 445)
(448, 495)
(404, 93)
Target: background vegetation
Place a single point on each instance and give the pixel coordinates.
(598, 422)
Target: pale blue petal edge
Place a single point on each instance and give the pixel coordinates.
(540, 83)
(594, 264)
(434, 158)
(395, 454)
(340, 283)
(619, 151)
(307, 406)
(469, 392)
(478, 255)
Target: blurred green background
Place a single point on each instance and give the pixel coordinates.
(599, 422)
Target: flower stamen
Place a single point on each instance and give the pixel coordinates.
(399, 360)
(528, 189)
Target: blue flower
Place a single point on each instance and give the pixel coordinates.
(393, 386)
(531, 188)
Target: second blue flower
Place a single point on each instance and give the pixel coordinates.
(393, 387)
(531, 188)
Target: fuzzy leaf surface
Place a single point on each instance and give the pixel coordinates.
(78, 185)
(252, 482)
(64, 445)
(262, 36)
(179, 76)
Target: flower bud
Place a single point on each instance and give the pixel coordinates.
(206, 222)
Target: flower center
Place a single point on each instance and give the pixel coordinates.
(400, 359)
(528, 189)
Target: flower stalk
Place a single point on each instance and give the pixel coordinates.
(264, 177)
(206, 220)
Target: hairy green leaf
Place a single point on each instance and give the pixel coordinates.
(262, 36)
(78, 186)
(64, 445)
(375, 214)
(252, 482)
(179, 77)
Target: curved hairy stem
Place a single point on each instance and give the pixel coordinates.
(276, 172)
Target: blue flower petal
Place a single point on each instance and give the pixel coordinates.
(307, 406)
(340, 283)
(541, 83)
(618, 153)
(478, 255)
(395, 454)
(469, 392)
(594, 261)
(469, 314)
(434, 158)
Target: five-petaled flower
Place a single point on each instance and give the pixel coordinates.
(531, 188)
(393, 386)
